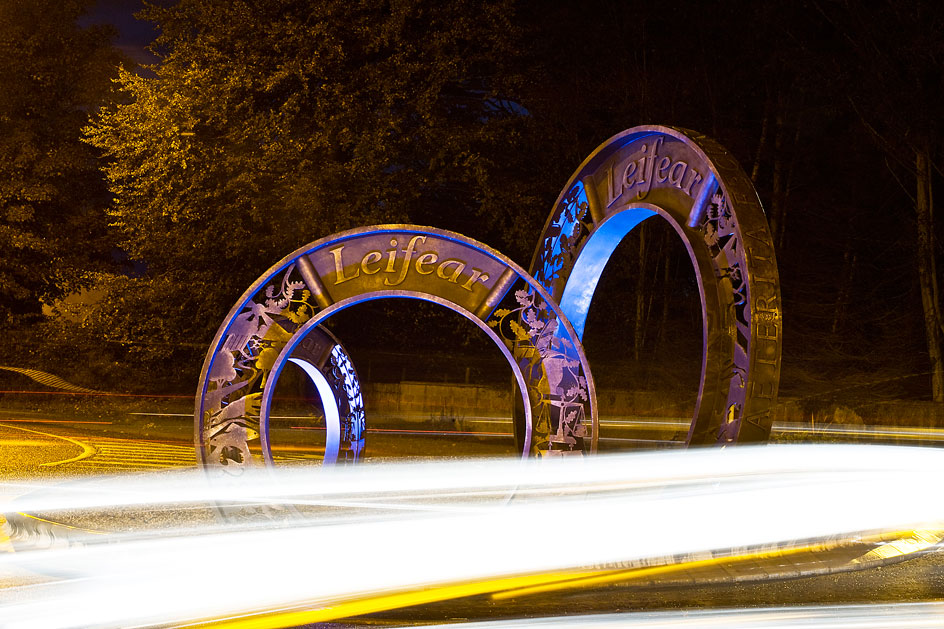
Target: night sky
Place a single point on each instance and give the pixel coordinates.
(133, 35)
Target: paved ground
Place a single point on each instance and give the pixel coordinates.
(28, 452)
(45, 448)
(919, 579)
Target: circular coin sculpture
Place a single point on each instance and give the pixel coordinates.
(271, 321)
(693, 183)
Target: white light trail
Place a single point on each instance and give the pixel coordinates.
(419, 526)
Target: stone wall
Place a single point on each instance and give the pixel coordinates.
(430, 401)
(454, 403)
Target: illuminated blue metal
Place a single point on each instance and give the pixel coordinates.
(330, 406)
(560, 235)
(343, 370)
(592, 259)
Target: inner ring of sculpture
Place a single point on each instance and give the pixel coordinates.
(329, 403)
(695, 185)
(287, 356)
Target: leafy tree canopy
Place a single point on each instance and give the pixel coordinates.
(269, 124)
(53, 74)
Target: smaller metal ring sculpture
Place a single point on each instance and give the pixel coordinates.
(228, 428)
(327, 364)
(699, 188)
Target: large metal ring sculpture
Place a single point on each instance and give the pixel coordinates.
(274, 316)
(699, 188)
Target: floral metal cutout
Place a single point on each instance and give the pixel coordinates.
(343, 377)
(242, 365)
(549, 360)
(562, 238)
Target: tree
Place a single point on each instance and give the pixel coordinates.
(268, 125)
(772, 82)
(891, 62)
(52, 194)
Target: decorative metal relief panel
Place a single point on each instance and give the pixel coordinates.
(559, 387)
(566, 229)
(694, 184)
(236, 371)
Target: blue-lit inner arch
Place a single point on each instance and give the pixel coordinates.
(589, 265)
(329, 404)
(702, 191)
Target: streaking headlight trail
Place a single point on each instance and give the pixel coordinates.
(357, 540)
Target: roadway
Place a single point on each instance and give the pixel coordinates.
(36, 445)
(905, 567)
(39, 448)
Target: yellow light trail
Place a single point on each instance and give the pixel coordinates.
(902, 543)
(474, 523)
(374, 604)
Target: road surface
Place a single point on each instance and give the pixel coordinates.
(44, 447)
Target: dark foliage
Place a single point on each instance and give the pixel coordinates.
(267, 125)
(52, 194)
